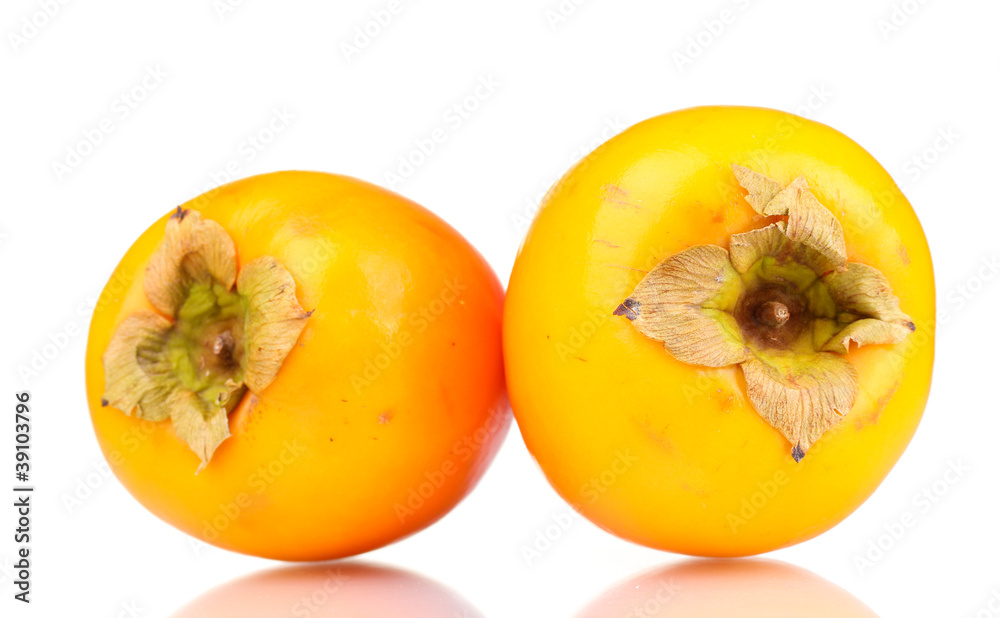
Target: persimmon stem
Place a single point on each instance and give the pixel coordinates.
(773, 313)
(223, 347)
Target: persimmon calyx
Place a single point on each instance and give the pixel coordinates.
(218, 330)
(783, 303)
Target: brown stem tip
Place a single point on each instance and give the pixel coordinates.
(223, 346)
(773, 314)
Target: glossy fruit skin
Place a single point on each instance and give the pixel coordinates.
(384, 415)
(672, 455)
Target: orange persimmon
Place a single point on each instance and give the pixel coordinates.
(299, 366)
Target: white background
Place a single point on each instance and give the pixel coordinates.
(562, 87)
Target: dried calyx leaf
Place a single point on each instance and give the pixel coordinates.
(274, 319)
(686, 304)
(810, 225)
(783, 302)
(193, 250)
(217, 340)
(801, 395)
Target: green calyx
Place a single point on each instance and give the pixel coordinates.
(217, 332)
(205, 348)
(783, 302)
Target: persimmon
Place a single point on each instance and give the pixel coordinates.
(303, 366)
(719, 331)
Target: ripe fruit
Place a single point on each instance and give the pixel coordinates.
(740, 303)
(326, 355)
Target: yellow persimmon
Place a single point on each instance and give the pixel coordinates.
(719, 331)
(324, 354)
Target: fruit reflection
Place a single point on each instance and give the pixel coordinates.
(332, 589)
(711, 588)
